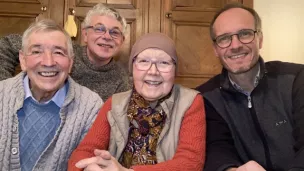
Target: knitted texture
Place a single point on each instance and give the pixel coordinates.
(77, 114)
(181, 144)
(104, 80)
(37, 126)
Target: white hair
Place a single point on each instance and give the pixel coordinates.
(46, 25)
(102, 10)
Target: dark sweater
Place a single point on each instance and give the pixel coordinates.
(270, 132)
(105, 80)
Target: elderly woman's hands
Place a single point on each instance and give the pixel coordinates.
(103, 161)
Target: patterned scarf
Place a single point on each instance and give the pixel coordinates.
(146, 124)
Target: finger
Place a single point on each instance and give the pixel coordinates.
(103, 153)
(85, 162)
(93, 167)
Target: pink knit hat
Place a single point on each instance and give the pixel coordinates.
(153, 40)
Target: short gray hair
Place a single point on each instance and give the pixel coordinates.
(257, 19)
(46, 25)
(102, 10)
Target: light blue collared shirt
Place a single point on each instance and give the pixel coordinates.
(58, 98)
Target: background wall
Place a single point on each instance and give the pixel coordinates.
(283, 29)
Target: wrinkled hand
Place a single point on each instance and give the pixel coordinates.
(250, 166)
(103, 161)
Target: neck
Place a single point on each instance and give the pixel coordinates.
(246, 80)
(96, 60)
(43, 97)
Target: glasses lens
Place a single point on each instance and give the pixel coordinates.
(142, 64)
(100, 29)
(223, 41)
(246, 36)
(115, 33)
(164, 66)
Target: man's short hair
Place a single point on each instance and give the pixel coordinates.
(257, 19)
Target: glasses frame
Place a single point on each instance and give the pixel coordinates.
(155, 63)
(238, 36)
(106, 29)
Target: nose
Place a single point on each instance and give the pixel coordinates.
(235, 42)
(153, 69)
(47, 59)
(107, 35)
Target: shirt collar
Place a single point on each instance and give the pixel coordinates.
(239, 88)
(58, 98)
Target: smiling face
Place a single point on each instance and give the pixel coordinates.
(102, 47)
(151, 84)
(46, 62)
(238, 57)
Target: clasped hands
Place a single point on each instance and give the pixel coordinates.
(102, 161)
(249, 166)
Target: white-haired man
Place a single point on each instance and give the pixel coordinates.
(44, 113)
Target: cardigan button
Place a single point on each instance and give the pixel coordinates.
(14, 150)
(14, 128)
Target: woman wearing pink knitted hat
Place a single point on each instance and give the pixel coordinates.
(158, 125)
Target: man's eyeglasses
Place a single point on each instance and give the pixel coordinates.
(145, 64)
(101, 29)
(245, 36)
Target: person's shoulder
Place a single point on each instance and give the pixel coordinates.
(14, 80)
(83, 91)
(120, 68)
(283, 68)
(210, 85)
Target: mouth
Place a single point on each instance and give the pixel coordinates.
(105, 45)
(237, 56)
(153, 83)
(48, 74)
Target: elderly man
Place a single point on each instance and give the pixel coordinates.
(103, 32)
(252, 108)
(43, 112)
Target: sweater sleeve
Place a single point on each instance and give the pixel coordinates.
(9, 55)
(190, 153)
(298, 113)
(221, 152)
(98, 137)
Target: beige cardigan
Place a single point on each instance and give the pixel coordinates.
(77, 114)
(175, 107)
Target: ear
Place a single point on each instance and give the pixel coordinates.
(260, 40)
(84, 34)
(22, 60)
(215, 50)
(71, 64)
(123, 38)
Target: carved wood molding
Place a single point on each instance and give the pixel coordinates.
(20, 9)
(21, 1)
(89, 3)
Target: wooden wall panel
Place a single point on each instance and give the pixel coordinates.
(14, 24)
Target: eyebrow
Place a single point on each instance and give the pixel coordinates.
(35, 46)
(53, 47)
(115, 27)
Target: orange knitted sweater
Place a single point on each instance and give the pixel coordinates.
(190, 153)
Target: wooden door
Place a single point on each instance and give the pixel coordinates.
(187, 22)
(16, 15)
(133, 10)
